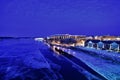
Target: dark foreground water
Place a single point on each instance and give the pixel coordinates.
(25, 59)
(66, 69)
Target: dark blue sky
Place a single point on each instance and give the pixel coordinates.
(46, 17)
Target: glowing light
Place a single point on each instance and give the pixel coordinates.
(38, 39)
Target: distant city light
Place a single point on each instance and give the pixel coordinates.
(39, 39)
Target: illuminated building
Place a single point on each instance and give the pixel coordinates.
(97, 42)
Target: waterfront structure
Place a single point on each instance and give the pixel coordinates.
(109, 38)
(56, 39)
(100, 45)
(109, 43)
(114, 46)
(103, 45)
(80, 43)
(90, 44)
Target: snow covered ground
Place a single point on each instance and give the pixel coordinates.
(114, 56)
(20, 59)
(106, 68)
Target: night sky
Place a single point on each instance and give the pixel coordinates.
(47, 17)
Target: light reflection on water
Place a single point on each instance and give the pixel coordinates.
(54, 49)
(57, 50)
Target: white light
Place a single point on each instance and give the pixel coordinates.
(38, 39)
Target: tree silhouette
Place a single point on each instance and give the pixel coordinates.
(68, 41)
